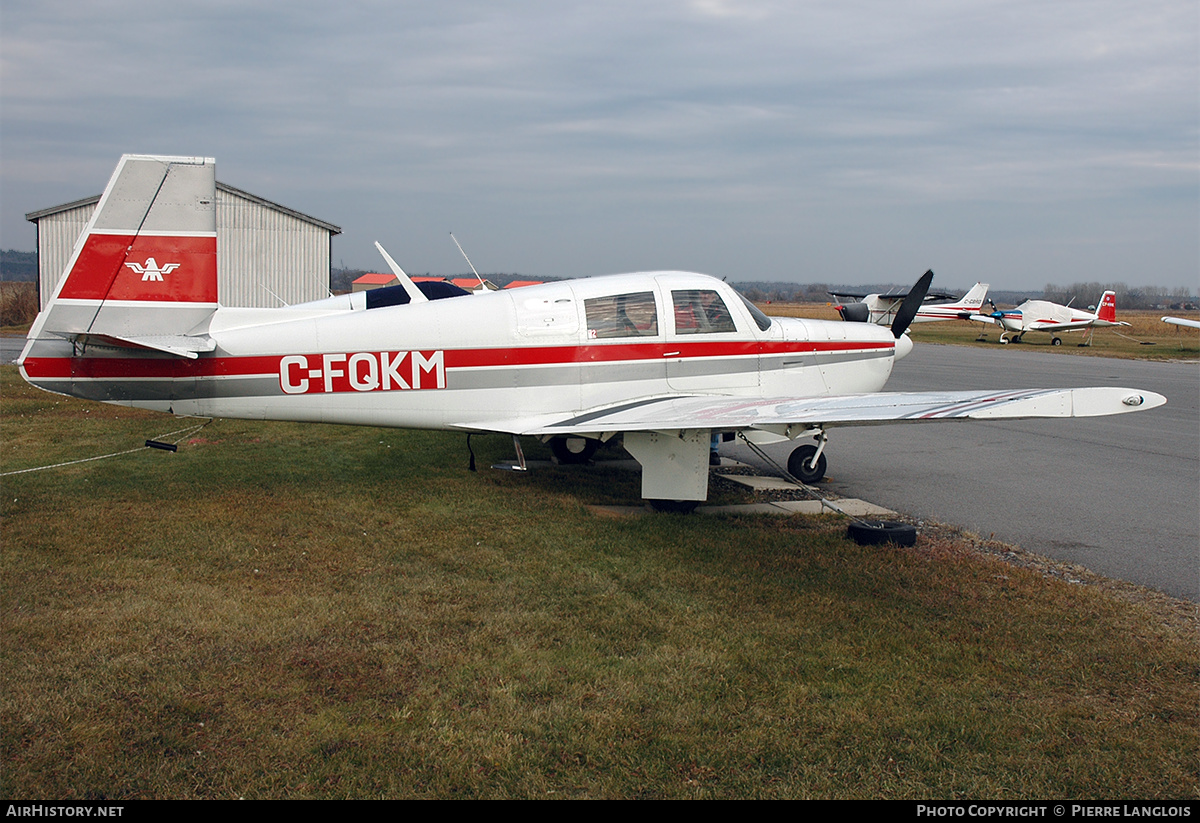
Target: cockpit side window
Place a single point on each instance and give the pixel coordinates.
(701, 311)
(622, 315)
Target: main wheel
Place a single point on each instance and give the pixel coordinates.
(1054, 341)
(573, 450)
(878, 532)
(798, 465)
(674, 506)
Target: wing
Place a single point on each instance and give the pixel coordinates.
(1050, 325)
(1071, 325)
(1182, 321)
(790, 417)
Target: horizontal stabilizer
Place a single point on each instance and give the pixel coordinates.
(178, 344)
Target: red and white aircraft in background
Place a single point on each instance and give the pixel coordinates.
(1042, 315)
(663, 360)
(882, 309)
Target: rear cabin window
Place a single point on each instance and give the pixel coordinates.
(622, 315)
(701, 311)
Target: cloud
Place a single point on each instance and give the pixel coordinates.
(599, 119)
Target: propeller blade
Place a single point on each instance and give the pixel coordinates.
(908, 309)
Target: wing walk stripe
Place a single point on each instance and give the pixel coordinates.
(962, 408)
(587, 418)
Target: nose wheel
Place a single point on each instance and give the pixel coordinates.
(807, 463)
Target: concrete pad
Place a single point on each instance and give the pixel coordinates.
(759, 482)
(855, 508)
(861, 508)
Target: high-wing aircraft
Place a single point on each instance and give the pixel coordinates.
(1042, 315)
(1181, 321)
(882, 309)
(662, 360)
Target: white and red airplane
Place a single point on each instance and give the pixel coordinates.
(882, 309)
(1042, 315)
(662, 359)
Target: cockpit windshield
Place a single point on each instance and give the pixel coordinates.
(761, 319)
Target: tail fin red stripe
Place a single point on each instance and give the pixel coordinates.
(148, 268)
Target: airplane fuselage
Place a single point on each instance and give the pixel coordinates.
(459, 363)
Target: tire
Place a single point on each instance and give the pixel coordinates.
(674, 506)
(1054, 341)
(878, 532)
(798, 468)
(573, 450)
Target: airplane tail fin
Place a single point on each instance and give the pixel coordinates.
(144, 271)
(974, 298)
(1108, 307)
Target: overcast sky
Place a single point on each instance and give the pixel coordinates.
(1019, 143)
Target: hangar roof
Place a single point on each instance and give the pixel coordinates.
(35, 216)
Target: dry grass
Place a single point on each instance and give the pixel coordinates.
(302, 611)
(18, 305)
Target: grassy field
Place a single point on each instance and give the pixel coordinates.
(1147, 338)
(293, 611)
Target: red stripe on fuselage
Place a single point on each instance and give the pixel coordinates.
(268, 365)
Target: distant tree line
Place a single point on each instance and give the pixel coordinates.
(18, 266)
(764, 292)
(1135, 297)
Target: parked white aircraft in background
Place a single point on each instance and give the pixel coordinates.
(661, 359)
(1042, 315)
(882, 309)
(1182, 321)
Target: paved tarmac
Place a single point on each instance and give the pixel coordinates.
(1119, 495)
(10, 349)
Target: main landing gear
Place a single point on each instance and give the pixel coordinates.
(573, 450)
(674, 506)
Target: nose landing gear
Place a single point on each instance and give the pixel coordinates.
(807, 463)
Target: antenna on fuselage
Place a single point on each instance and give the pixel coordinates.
(415, 295)
(464, 254)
